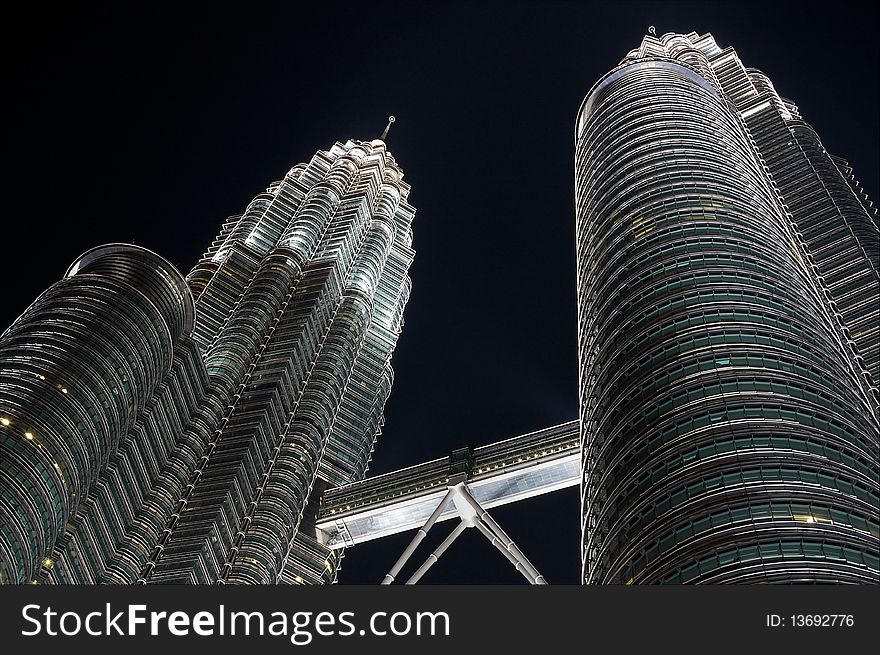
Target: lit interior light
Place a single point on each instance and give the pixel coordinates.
(48, 562)
(4, 421)
(63, 389)
(28, 435)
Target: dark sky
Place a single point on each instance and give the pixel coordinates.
(153, 125)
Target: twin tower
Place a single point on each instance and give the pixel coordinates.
(156, 428)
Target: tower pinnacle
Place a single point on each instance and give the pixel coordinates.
(391, 119)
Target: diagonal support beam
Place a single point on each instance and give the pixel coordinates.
(433, 557)
(498, 537)
(495, 541)
(420, 534)
(472, 514)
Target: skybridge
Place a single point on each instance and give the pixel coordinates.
(463, 485)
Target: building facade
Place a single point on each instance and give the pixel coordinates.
(157, 428)
(728, 331)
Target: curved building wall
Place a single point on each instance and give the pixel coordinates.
(75, 369)
(199, 420)
(105, 542)
(726, 435)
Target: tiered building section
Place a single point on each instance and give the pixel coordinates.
(728, 311)
(157, 429)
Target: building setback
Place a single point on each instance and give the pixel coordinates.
(728, 331)
(156, 428)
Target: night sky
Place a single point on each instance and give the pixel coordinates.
(153, 125)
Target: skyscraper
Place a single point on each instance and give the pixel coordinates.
(728, 331)
(157, 428)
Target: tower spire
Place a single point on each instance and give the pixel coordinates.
(391, 119)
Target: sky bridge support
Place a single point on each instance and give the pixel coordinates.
(471, 514)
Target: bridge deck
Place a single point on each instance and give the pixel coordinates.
(500, 473)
